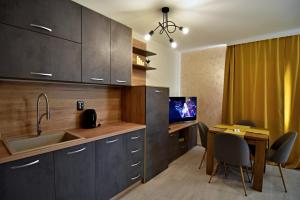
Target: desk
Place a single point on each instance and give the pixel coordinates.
(259, 140)
(181, 125)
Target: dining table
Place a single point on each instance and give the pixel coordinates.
(254, 136)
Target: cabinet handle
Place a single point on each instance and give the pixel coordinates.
(120, 81)
(111, 141)
(77, 151)
(135, 151)
(41, 27)
(135, 137)
(134, 178)
(172, 135)
(157, 91)
(97, 79)
(41, 74)
(135, 164)
(26, 165)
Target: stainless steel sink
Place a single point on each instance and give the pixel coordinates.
(22, 145)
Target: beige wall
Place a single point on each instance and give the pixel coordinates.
(202, 75)
(167, 62)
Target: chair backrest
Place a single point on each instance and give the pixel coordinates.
(282, 147)
(246, 123)
(203, 130)
(231, 149)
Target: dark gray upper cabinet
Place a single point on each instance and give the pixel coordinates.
(121, 48)
(157, 121)
(28, 179)
(30, 55)
(110, 166)
(75, 172)
(60, 18)
(95, 47)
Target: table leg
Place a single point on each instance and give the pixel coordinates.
(210, 153)
(259, 165)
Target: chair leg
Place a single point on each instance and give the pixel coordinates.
(243, 180)
(279, 166)
(249, 180)
(203, 157)
(214, 173)
(225, 169)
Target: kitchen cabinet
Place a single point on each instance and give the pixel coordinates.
(30, 55)
(95, 47)
(59, 18)
(157, 120)
(121, 48)
(28, 179)
(75, 172)
(110, 167)
(134, 144)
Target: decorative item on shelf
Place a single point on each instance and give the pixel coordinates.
(168, 27)
(139, 61)
(148, 61)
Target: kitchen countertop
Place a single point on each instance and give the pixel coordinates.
(88, 135)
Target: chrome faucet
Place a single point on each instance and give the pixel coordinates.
(38, 117)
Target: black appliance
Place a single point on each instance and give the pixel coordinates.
(89, 118)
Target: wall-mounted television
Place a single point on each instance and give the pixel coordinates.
(182, 109)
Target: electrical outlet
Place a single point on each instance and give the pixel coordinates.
(80, 105)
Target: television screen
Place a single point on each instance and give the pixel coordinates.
(182, 109)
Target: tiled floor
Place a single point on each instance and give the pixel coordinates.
(184, 181)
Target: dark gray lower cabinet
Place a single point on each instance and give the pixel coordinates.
(28, 179)
(75, 173)
(110, 164)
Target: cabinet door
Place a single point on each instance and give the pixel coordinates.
(28, 179)
(157, 120)
(110, 167)
(192, 136)
(60, 18)
(29, 55)
(173, 146)
(75, 173)
(95, 47)
(121, 48)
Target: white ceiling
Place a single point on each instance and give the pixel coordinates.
(211, 22)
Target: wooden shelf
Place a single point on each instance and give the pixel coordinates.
(142, 52)
(143, 67)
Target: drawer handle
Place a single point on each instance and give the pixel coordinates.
(134, 178)
(135, 164)
(172, 135)
(135, 137)
(111, 141)
(41, 74)
(26, 165)
(120, 81)
(77, 151)
(97, 79)
(41, 27)
(135, 151)
(157, 91)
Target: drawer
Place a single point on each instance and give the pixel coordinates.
(135, 172)
(135, 137)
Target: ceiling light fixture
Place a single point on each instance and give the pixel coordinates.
(168, 27)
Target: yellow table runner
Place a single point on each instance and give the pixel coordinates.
(243, 129)
(241, 133)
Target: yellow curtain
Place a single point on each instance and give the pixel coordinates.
(262, 84)
(253, 87)
(292, 95)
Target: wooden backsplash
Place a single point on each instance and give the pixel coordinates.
(18, 105)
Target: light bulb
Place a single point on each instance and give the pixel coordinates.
(147, 37)
(185, 30)
(173, 44)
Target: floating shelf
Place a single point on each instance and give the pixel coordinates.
(143, 67)
(142, 52)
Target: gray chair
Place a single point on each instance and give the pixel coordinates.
(232, 150)
(280, 151)
(246, 123)
(203, 130)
